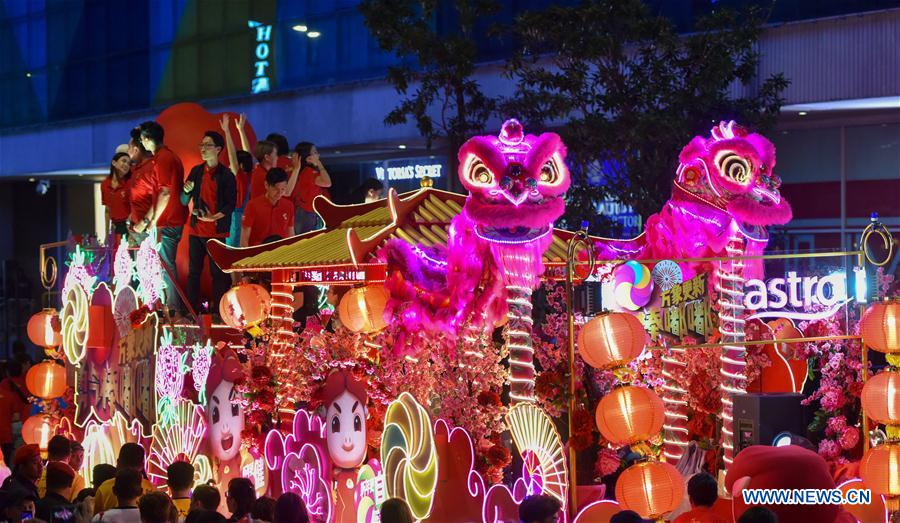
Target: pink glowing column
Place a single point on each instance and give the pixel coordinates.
(730, 287)
(675, 435)
(522, 270)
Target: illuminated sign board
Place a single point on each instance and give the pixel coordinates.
(409, 172)
(406, 174)
(366, 273)
(683, 310)
(631, 222)
(802, 297)
(262, 54)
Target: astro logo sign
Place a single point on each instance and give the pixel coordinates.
(799, 298)
(262, 54)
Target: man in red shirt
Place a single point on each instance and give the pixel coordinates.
(169, 215)
(142, 188)
(269, 215)
(211, 188)
(703, 491)
(266, 154)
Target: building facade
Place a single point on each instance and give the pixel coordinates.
(77, 75)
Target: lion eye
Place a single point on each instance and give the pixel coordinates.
(734, 167)
(549, 173)
(479, 174)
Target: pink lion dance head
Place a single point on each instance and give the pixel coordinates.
(734, 170)
(516, 182)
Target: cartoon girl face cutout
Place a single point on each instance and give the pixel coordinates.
(345, 419)
(226, 421)
(224, 413)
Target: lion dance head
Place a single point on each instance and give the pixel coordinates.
(516, 182)
(734, 170)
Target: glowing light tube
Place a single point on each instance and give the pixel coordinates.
(730, 285)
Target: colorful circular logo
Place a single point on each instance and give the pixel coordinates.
(633, 285)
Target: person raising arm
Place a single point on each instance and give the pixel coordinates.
(313, 179)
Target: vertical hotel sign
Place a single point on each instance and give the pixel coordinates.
(262, 57)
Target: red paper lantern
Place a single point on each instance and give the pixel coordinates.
(46, 380)
(245, 305)
(872, 511)
(611, 340)
(630, 414)
(881, 398)
(880, 469)
(651, 489)
(880, 327)
(362, 308)
(37, 430)
(44, 329)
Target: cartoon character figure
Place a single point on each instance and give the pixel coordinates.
(344, 398)
(224, 413)
(345, 418)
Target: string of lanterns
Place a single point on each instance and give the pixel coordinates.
(630, 415)
(880, 466)
(47, 379)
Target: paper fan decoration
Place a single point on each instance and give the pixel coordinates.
(179, 441)
(667, 274)
(126, 302)
(539, 444)
(633, 285)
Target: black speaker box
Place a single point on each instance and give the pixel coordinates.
(758, 418)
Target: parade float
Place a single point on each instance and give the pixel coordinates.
(444, 359)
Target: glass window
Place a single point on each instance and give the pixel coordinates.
(808, 155)
(873, 152)
(186, 65)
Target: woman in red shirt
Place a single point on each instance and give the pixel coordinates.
(115, 193)
(313, 180)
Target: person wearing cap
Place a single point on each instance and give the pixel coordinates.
(27, 469)
(131, 457)
(55, 506)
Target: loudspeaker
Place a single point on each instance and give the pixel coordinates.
(588, 298)
(758, 418)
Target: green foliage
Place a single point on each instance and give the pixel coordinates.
(820, 421)
(625, 89)
(435, 42)
(617, 82)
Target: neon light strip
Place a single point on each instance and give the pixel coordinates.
(731, 326)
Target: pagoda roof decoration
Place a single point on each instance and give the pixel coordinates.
(354, 234)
